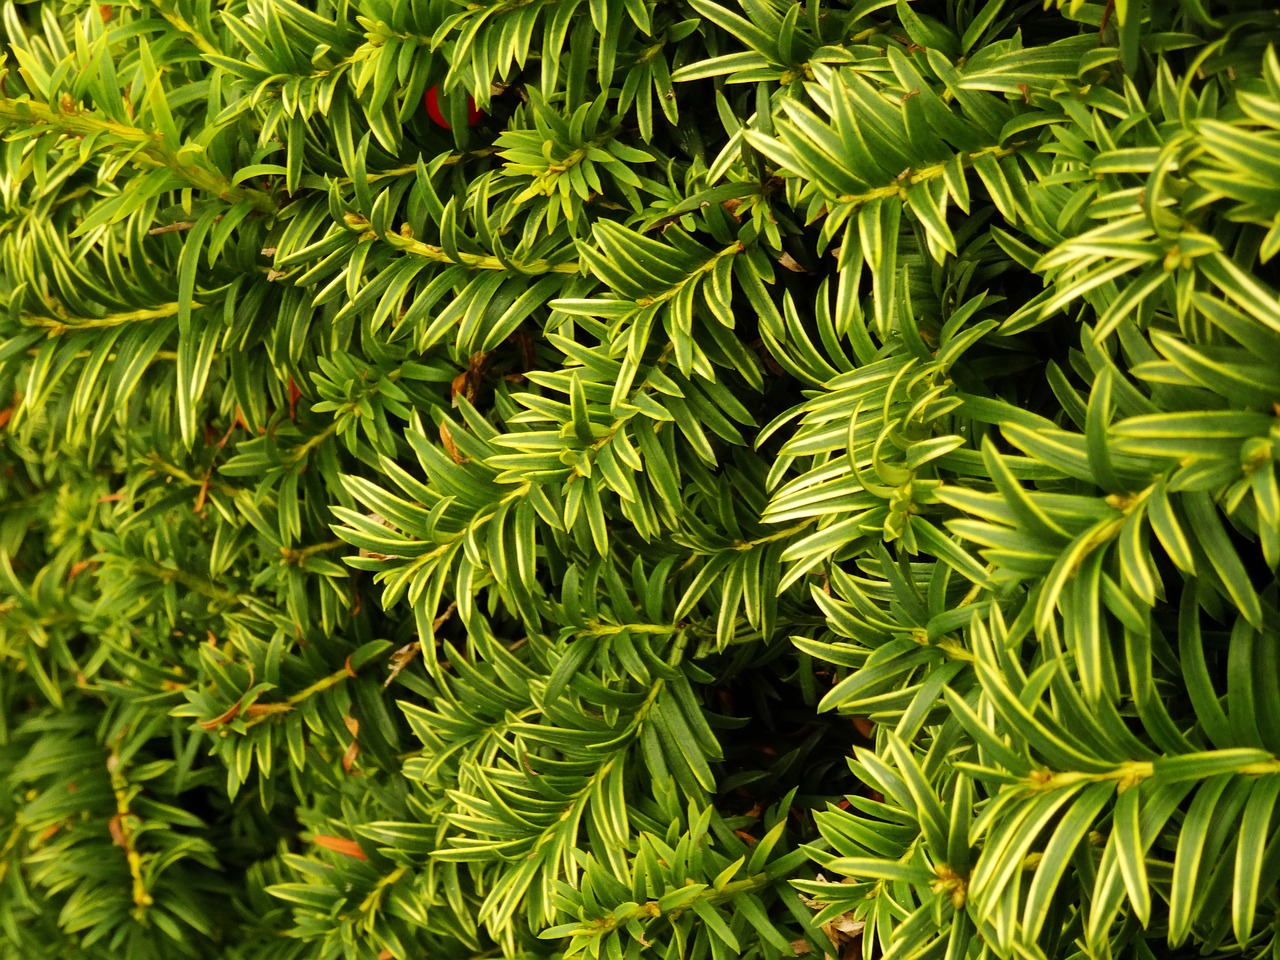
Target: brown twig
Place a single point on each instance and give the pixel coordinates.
(404, 656)
(171, 228)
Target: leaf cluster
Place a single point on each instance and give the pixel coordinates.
(786, 479)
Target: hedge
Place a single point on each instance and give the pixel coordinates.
(639, 478)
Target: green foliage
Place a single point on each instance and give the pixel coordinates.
(788, 479)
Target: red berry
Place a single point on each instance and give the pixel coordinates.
(432, 100)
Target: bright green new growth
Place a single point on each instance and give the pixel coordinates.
(494, 542)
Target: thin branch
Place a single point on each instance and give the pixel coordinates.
(57, 327)
(144, 146)
(123, 833)
(404, 241)
(404, 656)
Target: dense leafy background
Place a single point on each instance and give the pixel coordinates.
(791, 478)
